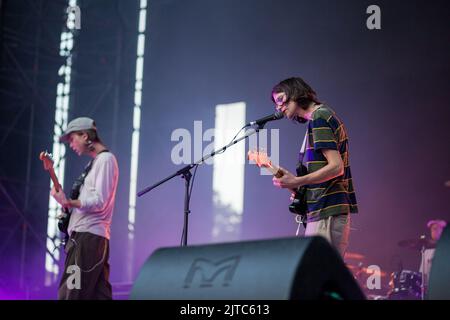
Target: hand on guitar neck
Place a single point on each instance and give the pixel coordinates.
(56, 191)
(282, 177)
(60, 197)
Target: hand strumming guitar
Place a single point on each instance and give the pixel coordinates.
(60, 197)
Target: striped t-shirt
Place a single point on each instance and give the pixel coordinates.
(335, 196)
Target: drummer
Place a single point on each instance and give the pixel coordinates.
(436, 227)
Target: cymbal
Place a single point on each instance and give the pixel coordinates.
(417, 244)
(353, 256)
(369, 271)
(363, 270)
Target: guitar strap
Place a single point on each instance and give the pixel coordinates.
(75, 192)
(301, 154)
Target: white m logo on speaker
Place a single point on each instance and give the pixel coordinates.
(209, 271)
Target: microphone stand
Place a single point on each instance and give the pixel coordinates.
(187, 175)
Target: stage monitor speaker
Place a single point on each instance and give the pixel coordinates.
(439, 284)
(279, 269)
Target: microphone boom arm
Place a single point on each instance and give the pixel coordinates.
(186, 174)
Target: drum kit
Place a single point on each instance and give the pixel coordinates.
(407, 284)
(403, 284)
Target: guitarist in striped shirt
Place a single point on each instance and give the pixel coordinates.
(330, 196)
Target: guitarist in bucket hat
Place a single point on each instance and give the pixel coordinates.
(88, 215)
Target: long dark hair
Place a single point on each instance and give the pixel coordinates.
(296, 89)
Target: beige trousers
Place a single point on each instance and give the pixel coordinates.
(335, 229)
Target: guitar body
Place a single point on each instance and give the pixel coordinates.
(299, 205)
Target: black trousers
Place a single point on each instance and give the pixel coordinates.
(86, 268)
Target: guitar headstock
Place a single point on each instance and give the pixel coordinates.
(260, 157)
(47, 160)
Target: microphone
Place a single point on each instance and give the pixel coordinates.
(260, 122)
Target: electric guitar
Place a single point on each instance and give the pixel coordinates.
(47, 161)
(298, 205)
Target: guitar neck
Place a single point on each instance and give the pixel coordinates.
(275, 170)
(54, 179)
(263, 161)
